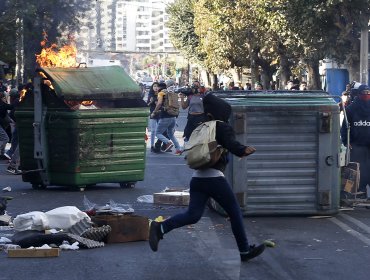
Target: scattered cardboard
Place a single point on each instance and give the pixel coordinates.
(172, 198)
(33, 253)
(125, 228)
(350, 177)
(5, 219)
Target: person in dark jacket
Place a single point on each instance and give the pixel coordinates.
(153, 121)
(5, 121)
(210, 182)
(358, 115)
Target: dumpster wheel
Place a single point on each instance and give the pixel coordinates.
(127, 185)
(39, 186)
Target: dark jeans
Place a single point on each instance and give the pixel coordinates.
(200, 190)
(361, 154)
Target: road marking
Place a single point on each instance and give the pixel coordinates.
(351, 231)
(166, 164)
(356, 222)
(225, 262)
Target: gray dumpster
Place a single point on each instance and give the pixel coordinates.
(296, 167)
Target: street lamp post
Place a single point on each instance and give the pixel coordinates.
(364, 56)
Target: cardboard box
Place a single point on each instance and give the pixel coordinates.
(172, 198)
(125, 228)
(350, 177)
(33, 253)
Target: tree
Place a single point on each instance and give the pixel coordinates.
(322, 29)
(182, 30)
(52, 16)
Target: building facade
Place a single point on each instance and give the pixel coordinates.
(126, 25)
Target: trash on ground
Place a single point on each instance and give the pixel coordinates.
(61, 217)
(86, 243)
(159, 219)
(33, 253)
(5, 240)
(3, 204)
(173, 198)
(7, 189)
(66, 246)
(269, 243)
(111, 207)
(28, 238)
(145, 198)
(5, 220)
(124, 228)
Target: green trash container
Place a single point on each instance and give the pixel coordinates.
(63, 142)
(296, 168)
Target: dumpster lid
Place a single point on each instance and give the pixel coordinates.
(277, 98)
(92, 83)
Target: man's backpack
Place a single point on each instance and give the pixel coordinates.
(202, 148)
(171, 103)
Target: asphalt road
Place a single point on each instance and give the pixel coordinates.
(334, 247)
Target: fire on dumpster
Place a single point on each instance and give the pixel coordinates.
(52, 56)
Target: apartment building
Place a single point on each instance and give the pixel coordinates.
(126, 25)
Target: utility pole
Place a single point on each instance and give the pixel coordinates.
(364, 56)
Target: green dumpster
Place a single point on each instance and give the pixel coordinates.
(87, 127)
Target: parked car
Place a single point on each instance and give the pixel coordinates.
(147, 81)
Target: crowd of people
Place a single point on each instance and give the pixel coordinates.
(162, 125)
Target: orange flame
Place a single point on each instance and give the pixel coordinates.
(54, 56)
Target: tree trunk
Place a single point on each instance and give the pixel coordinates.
(214, 80)
(255, 73)
(285, 71)
(236, 72)
(313, 75)
(354, 62)
(205, 77)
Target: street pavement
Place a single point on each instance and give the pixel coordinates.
(335, 247)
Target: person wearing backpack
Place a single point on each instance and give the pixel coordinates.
(168, 108)
(210, 182)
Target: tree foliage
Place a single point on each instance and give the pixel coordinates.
(52, 16)
(275, 33)
(182, 29)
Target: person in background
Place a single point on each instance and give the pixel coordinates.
(167, 122)
(292, 85)
(211, 182)
(354, 92)
(248, 86)
(194, 104)
(358, 115)
(303, 86)
(153, 121)
(273, 85)
(258, 86)
(2, 87)
(232, 86)
(345, 97)
(5, 121)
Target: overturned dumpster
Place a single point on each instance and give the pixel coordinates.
(82, 126)
(296, 168)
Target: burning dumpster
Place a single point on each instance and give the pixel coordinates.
(296, 168)
(82, 126)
